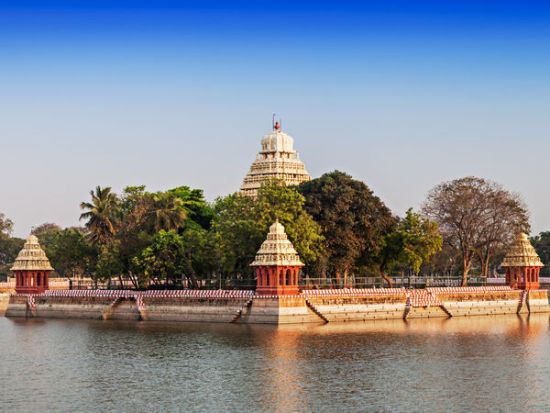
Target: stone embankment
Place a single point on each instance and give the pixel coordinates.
(311, 306)
(4, 300)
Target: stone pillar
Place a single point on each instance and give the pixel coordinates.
(31, 282)
(277, 280)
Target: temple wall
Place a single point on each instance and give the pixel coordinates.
(209, 310)
(281, 310)
(336, 307)
(222, 310)
(484, 303)
(427, 312)
(4, 300)
(360, 308)
(537, 301)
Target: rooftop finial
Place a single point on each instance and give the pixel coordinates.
(276, 124)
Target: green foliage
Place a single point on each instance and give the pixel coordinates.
(354, 221)
(9, 248)
(193, 201)
(164, 259)
(167, 212)
(47, 234)
(240, 226)
(277, 201)
(100, 214)
(108, 262)
(236, 233)
(337, 225)
(541, 243)
(67, 249)
(130, 223)
(73, 255)
(202, 256)
(413, 242)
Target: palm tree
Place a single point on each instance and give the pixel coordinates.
(168, 212)
(100, 215)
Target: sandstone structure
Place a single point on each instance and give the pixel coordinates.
(277, 264)
(276, 160)
(31, 268)
(522, 264)
(309, 306)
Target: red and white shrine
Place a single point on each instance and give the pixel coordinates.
(522, 264)
(277, 264)
(31, 268)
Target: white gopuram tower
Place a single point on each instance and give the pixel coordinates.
(276, 160)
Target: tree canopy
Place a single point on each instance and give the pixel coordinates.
(477, 218)
(353, 220)
(241, 224)
(413, 241)
(9, 247)
(338, 226)
(541, 243)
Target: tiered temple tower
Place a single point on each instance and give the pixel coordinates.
(276, 160)
(31, 268)
(277, 264)
(522, 265)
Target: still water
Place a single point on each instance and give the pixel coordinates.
(497, 363)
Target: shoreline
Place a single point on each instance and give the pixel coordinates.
(246, 307)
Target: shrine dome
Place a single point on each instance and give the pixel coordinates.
(277, 250)
(522, 254)
(277, 141)
(32, 257)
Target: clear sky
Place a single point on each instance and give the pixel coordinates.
(400, 94)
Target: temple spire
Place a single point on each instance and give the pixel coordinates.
(277, 160)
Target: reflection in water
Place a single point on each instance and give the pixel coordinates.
(481, 363)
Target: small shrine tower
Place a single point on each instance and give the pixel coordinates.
(522, 265)
(276, 160)
(277, 264)
(31, 268)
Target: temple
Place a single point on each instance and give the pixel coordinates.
(276, 160)
(277, 264)
(31, 268)
(522, 265)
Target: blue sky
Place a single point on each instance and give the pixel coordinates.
(400, 94)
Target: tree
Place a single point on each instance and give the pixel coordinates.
(9, 247)
(100, 215)
(236, 233)
(475, 217)
(541, 243)
(201, 255)
(6, 226)
(71, 254)
(199, 211)
(136, 218)
(46, 234)
(168, 212)
(276, 201)
(241, 223)
(412, 243)
(505, 217)
(164, 259)
(354, 221)
(108, 262)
